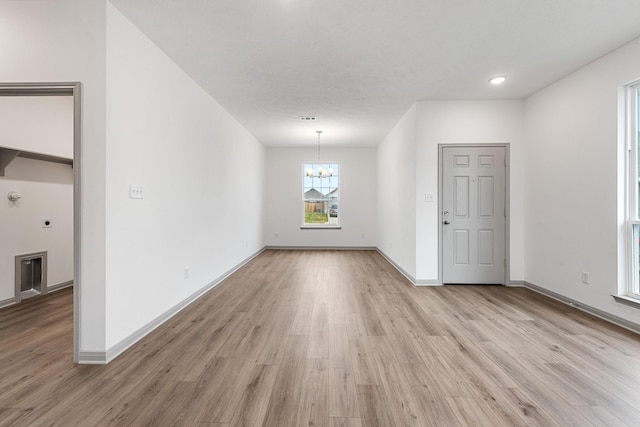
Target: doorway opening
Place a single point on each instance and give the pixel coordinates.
(33, 269)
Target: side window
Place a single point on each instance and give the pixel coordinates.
(633, 195)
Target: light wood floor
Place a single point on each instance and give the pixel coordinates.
(334, 339)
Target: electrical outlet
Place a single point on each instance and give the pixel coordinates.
(246, 243)
(362, 235)
(585, 278)
(186, 272)
(276, 235)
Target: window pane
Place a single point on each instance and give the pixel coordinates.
(635, 253)
(637, 142)
(320, 193)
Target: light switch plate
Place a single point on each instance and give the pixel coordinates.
(136, 192)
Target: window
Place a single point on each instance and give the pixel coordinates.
(633, 199)
(321, 195)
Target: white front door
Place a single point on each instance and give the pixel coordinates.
(473, 214)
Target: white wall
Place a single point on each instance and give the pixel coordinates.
(358, 197)
(574, 199)
(396, 189)
(47, 192)
(40, 124)
(64, 41)
(465, 122)
(203, 178)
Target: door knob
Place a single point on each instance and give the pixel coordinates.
(445, 222)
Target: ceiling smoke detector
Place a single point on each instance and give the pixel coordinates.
(308, 118)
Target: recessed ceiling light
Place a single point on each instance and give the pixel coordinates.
(497, 80)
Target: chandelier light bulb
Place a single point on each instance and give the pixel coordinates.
(323, 173)
(309, 172)
(330, 172)
(319, 170)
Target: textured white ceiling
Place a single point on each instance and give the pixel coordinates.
(359, 64)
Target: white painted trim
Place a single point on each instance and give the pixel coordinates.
(119, 348)
(320, 227)
(516, 284)
(91, 358)
(322, 248)
(627, 300)
(7, 302)
(623, 323)
(65, 89)
(426, 282)
(53, 288)
(404, 272)
(59, 286)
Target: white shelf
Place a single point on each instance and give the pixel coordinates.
(7, 155)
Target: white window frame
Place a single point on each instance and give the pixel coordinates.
(339, 176)
(632, 91)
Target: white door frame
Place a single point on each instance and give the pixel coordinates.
(507, 223)
(73, 89)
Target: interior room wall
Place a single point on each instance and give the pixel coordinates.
(202, 176)
(42, 125)
(574, 194)
(455, 122)
(396, 188)
(47, 192)
(64, 41)
(358, 197)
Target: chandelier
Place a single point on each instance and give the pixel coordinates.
(322, 173)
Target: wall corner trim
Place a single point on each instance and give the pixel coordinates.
(619, 321)
(126, 343)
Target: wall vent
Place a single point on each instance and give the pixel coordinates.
(31, 275)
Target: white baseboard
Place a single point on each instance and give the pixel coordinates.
(516, 284)
(322, 248)
(51, 288)
(92, 357)
(58, 286)
(409, 277)
(7, 302)
(96, 357)
(623, 323)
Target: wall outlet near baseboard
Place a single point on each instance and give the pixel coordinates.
(585, 278)
(186, 272)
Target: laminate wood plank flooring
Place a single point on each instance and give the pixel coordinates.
(329, 338)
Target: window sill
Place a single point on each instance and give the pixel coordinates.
(320, 227)
(626, 299)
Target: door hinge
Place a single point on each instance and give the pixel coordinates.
(505, 162)
(505, 212)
